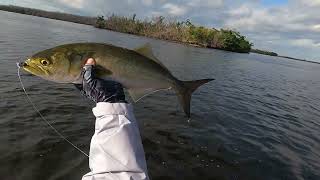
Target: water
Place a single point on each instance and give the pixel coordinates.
(260, 118)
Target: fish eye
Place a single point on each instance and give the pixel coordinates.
(44, 62)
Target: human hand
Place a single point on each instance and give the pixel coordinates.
(99, 90)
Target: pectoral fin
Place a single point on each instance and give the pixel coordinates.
(75, 57)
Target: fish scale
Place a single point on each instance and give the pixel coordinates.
(138, 70)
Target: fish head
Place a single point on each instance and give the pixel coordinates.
(53, 65)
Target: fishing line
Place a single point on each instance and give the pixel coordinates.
(42, 117)
(55, 130)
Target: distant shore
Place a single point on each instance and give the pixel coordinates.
(296, 59)
(158, 27)
(170, 30)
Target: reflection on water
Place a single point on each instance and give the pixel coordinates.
(260, 118)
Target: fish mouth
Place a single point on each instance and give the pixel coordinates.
(21, 64)
(30, 69)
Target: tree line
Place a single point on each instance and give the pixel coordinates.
(179, 31)
(157, 27)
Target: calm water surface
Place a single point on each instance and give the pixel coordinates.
(260, 118)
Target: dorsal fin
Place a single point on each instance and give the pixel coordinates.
(146, 50)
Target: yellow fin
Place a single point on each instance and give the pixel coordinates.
(146, 50)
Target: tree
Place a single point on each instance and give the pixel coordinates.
(100, 22)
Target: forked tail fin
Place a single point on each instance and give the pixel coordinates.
(185, 90)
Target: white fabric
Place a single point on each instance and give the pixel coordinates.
(116, 151)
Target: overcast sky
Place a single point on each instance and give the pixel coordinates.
(288, 27)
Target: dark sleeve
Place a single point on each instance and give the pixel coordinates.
(88, 73)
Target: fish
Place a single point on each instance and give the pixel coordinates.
(138, 70)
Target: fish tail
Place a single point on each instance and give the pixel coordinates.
(185, 90)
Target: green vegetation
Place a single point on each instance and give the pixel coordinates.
(184, 32)
(264, 52)
(159, 28)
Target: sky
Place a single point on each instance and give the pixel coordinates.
(288, 27)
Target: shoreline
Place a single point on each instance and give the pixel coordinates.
(91, 21)
(183, 32)
(296, 59)
(289, 58)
